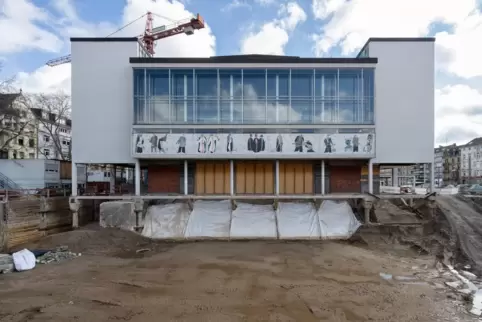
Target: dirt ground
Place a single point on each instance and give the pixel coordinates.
(466, 223)
(220, 281)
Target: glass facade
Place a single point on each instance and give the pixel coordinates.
(254, 96)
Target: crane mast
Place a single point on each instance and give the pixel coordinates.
(151, 35)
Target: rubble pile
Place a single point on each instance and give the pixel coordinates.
(462, 286)
(6, 263)
(59, 254)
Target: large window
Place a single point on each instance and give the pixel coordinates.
(254, 96)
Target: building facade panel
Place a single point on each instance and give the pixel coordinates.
(102, 90)
(404, 106)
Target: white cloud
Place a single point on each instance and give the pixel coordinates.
(273, 36)
(235, 4)
(458, 114)
(45, 80)
(351, 23)
(265, 2)
(51, 79)
(459, 52)
(71, 25)
(20, 30)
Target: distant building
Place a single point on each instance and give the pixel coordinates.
(471, 162)
(17, 129)
(54, 135)
(438, 165)
(451, 164)
(39, 174)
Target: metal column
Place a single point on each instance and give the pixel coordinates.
(74, 179)
(322, 177)
(185, 178)
(370, 176)
(137, 177)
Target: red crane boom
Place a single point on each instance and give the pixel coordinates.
(186, 26)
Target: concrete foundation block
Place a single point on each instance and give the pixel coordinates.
(118, 214)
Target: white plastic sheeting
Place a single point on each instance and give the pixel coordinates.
(337, 220)
(23, 260)
(166, 221)
(298, 221)
(209, 219)
(253, 221)
(216, 220)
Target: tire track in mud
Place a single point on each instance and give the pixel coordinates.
(466, 223)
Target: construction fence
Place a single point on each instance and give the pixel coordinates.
(27, 219)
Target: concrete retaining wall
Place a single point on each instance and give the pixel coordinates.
(27, 220)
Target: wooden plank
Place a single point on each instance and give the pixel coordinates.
(227, 178)
(259, 177)
(240, 177)
(199, 177)
(219, 178)
(250, 178)
(269, 178)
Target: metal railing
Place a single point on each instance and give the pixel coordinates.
(7, 183)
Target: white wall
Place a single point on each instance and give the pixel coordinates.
(102, 102)
(404, 104)
(28, 174)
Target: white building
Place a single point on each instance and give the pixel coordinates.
(439, 165)
(254, 124)
(54, 136)
(37, 174)
(17, 131)
(471, 162)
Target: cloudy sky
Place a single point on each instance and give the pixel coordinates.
(34, 31)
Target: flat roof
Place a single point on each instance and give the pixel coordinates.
(249, 59)
(396, 39)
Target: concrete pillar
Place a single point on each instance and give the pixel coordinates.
(367, 206)
(432, 177)
(112, 179)
(395, 177)
(74, 206)
(231, 177)
(74, 179)
(370, 176)
(276, 176)
(322, 177)
(186, 185)
(138, 209)
(137, 177)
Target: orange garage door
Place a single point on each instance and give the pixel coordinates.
(295, 177)
(212, 177)
(255, 177)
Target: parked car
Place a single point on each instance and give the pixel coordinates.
(475, 189)
(463, 188)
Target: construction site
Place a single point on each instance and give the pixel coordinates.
(257, 193)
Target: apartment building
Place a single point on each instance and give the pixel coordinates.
(471, 162)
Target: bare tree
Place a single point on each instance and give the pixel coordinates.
(14, 117)
(52, 114)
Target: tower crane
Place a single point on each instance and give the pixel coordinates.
(186, 26)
